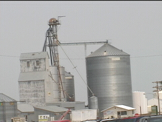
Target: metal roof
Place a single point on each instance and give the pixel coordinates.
(120, 106)
(54, 109)
(65, 104)
(107, 50)
(25, 108)
(5, 98)
(34, 55)
(28, 76)
(125, 107)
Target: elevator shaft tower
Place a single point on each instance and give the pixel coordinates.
(51, 41)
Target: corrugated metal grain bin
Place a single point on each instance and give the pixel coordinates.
(109, 76)
(8, 108)
(93, 102)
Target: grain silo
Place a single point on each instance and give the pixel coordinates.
(69, 86)
(109, 76)
(8, 108)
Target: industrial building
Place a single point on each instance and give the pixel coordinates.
(8, 108)
(35, 86)
(38, 81)
(156, 102)
(109, 76)
(118, 111)
(25, 111)
(48, 90)
(52, 112)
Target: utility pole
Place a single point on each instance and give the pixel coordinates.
(157, 90)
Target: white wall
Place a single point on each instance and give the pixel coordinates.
(154, 101)
(160, 95)
(113, 112)
(140, 101)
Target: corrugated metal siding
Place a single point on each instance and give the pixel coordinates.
(69, 86)
(2, 116)
(110, 80)
(5, 98)
(107, 50)
(25, 107)
(7, 111)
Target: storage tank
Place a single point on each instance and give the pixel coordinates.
(93, 102)
(140, 102)
(109, 76)
(63, 90)
(69, 86)
(8, 108)
(54, 73)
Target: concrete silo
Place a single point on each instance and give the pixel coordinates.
(109, 76)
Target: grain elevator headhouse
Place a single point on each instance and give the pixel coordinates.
(42, 80)
(35, 87)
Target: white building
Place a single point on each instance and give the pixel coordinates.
(140, 102)
(35, 85)
(118, 111)
(154, 101)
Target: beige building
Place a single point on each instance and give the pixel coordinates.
(118, 111)
(38, 82)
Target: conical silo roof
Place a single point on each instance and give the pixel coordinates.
(107, 50)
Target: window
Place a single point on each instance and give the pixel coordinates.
(118, 113)
(28, 64)
(37, 63)
(123, 112)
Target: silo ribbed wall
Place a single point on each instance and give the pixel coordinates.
(109, 77)
(69, 86)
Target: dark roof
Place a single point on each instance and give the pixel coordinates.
(107, 50)
(5, 98)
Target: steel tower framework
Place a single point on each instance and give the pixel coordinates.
(51, 41)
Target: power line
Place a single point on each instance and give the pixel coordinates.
(9, 56)
(146, 56)
(77, 71)
(84, 58)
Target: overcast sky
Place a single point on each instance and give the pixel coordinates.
(134, 27)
